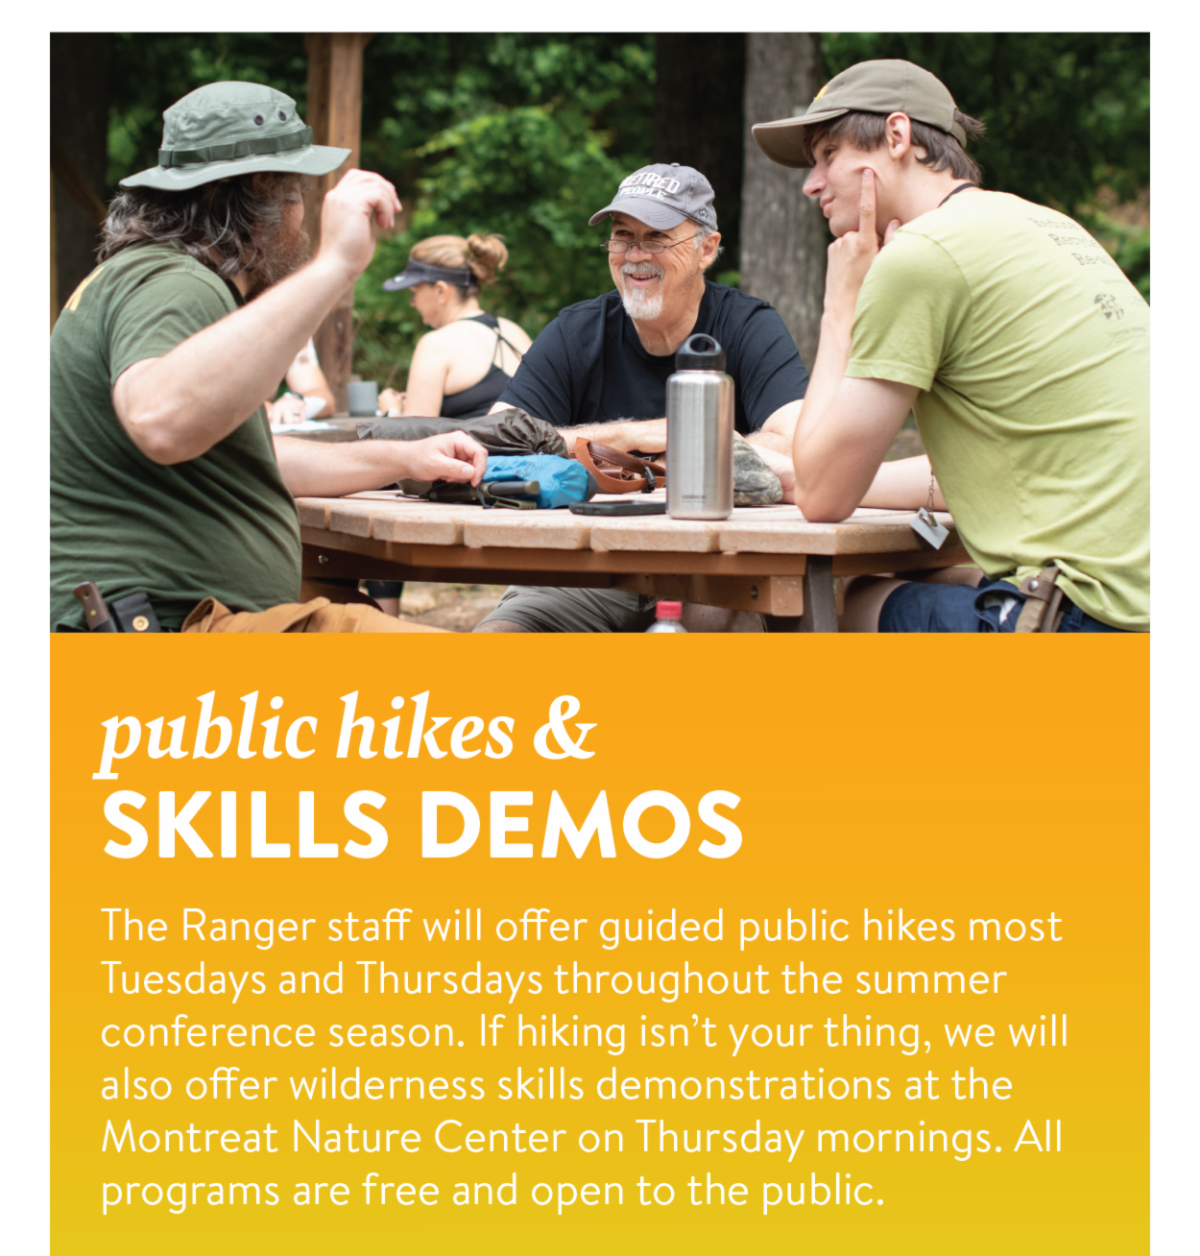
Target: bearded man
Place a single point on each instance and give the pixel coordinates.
(599, 372)
(165, 482)
(605, 362)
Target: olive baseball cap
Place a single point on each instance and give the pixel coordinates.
(227, 129)
(869, 87)
(663, 196)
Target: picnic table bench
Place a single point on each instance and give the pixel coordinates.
(767, 559)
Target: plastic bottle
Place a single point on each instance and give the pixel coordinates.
(667, 616)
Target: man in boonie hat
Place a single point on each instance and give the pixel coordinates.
(1017, 341)
(166, 484)
(599, 371)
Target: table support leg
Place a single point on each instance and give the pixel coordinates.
(782, 623)
(820, 602)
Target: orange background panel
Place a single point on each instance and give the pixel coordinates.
(942, 778)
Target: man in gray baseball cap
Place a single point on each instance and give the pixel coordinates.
(167, 489)
(599, 370)
(1007, 329)
(663, 196)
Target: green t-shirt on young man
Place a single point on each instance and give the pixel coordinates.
(222, 525)
(1032, 351)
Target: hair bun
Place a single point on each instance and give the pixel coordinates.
(487, 255)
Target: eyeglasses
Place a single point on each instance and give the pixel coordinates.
(646, 246)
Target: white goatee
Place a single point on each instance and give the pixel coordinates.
(639, 304)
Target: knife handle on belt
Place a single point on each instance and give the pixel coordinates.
(95, 613)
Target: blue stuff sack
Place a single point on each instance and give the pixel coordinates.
(561, 481)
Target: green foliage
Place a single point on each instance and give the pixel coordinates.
(1067, 115)
(151, 72)
(520, 135)
(1128, 243)
(526, 135)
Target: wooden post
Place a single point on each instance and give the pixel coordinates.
(335, 78)
(80, 65)
(53, 258)
(784, 235)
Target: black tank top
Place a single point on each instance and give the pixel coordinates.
(477, 400)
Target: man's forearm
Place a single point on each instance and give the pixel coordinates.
(845, 431)
(182, 404)
(904, 485)
(318, 469)
(776, 442)
(333, 469)
(647, 435)
(829, 369)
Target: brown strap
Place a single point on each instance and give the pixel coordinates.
(624, 473)
(1043, 599)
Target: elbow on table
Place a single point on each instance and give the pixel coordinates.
(823, 505)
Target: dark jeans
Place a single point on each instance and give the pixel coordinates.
(992, 607)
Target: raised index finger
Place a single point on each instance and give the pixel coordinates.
(866, 204)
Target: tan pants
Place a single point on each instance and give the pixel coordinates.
(318, 615)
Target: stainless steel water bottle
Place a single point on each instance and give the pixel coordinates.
(700, 432)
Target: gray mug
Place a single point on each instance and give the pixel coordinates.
(363, 398)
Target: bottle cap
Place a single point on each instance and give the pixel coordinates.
(700, 352)
(669, 610)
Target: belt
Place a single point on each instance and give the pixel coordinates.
(132, 613)
(1042, 610)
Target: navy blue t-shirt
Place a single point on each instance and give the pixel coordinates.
(588, 365)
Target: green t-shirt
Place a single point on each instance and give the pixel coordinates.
(222, 525)
(1032, 351)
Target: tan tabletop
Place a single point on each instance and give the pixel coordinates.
(768, 559)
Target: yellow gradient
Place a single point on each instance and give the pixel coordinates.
(946, 779)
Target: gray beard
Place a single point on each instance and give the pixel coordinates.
(638, 304)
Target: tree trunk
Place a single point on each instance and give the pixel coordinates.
(335, 76)
(698, 97)
(784, 235)
(79, 76)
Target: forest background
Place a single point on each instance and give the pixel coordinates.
(526, 135)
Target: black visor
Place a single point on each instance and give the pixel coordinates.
(422, 272)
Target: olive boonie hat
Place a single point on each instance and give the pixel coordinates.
(663, 196)
(227, 129)
(869, 87)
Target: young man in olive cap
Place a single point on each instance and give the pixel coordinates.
(1020, 345)
(164, 476)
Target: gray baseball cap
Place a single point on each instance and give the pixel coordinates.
(227, 129)
(663, 196)
(868, 87)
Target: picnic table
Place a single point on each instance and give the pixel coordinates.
(768, 559)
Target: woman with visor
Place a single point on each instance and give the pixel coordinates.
(461, 367)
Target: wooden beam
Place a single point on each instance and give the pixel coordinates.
(53, 258)
(335, 78)
(81, 193)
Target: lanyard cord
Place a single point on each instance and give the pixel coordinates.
(949, 194)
